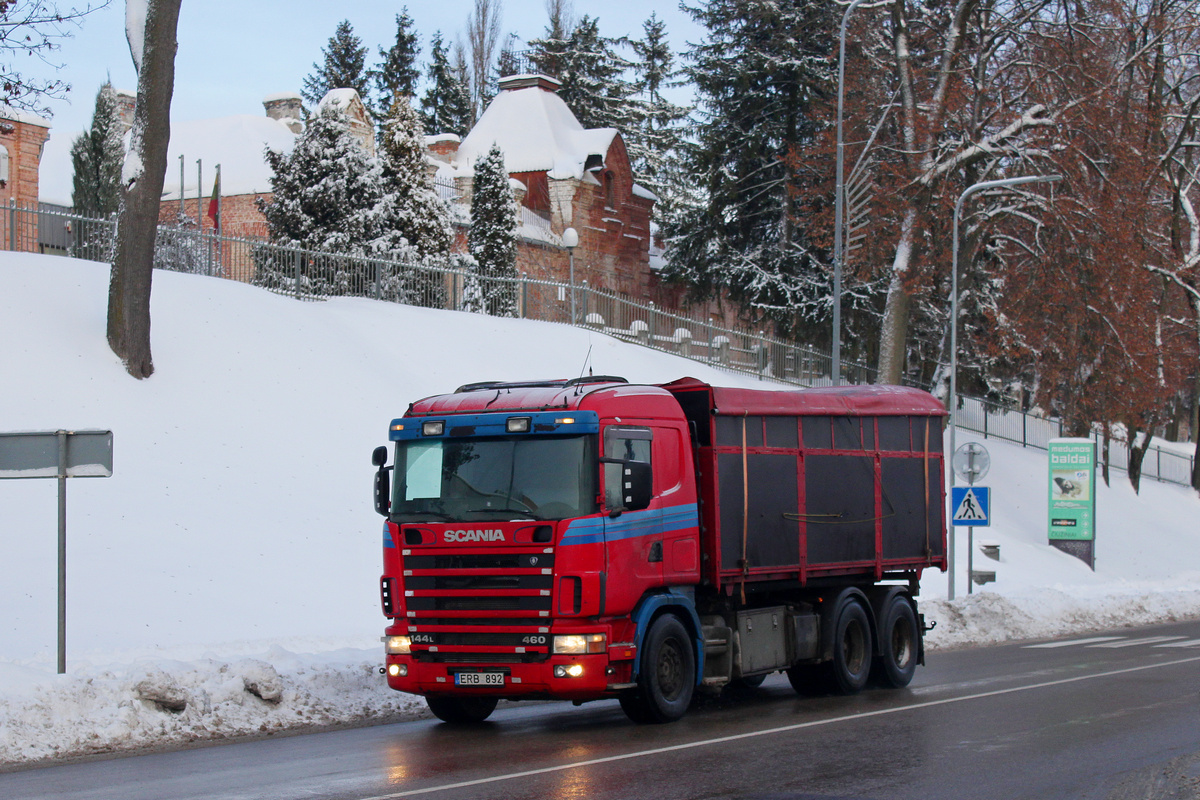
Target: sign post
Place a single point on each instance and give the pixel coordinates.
(1072, 523)
(57, 454)
(970, 505)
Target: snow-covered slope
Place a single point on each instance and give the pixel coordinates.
(230, 564)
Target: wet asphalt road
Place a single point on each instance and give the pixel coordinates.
(1099, 719)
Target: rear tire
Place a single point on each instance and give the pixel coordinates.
(851, 665)
(461, 710)
(898, 640)
(666, 676)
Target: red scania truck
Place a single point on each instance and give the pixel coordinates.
(590, 538)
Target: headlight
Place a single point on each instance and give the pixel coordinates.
(574, 644)
(397, 645)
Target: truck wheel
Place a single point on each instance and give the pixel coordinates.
(851, 665)
(667, 675)
(898, 641)
(461, 710)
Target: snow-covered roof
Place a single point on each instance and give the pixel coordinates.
(340, 99)
(537, 132)
(236, 143)
(8, 112)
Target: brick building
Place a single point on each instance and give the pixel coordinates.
(565, 176)
(22, 137)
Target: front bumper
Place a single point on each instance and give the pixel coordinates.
(598, 676)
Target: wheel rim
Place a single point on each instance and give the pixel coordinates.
(670, 670)
(901, 643)
(854, 651)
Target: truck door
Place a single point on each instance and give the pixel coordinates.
(633, 539)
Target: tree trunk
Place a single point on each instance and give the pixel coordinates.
(893, 336)
(145, 166)
(1137, 455)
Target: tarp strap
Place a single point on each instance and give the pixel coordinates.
(745, 509)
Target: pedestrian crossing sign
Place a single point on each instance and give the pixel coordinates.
(972, 506)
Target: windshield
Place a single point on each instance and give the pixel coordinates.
(525, 477)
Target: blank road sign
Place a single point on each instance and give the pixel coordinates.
(35, 454)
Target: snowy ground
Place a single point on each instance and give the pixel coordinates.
(224, 581)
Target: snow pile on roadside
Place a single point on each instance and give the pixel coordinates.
(989, 618)
(155, 703)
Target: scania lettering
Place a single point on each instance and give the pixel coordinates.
(589, 539)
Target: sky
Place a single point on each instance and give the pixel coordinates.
(235, 544)
(232, 54)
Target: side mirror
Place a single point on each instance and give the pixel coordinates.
(628, 485)
(637, 488)
(383, 486)
(379, 456)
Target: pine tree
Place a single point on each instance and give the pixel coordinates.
(446, 107)
(97, 156)
(492, 238)
(325, 195)
(549, 51)
(410, 213)
(655, 143)
(397, 72)
(757, 73)
(592, 83)
(344, 67)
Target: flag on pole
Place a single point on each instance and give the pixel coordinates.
(214, 204)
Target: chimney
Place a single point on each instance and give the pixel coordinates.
(126, 100)
(287, 107)
(443, 146)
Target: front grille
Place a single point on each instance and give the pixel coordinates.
(490, 561)
(479, 658)
(424, 583)
(482, 639)
(534, 623)
(481, 603)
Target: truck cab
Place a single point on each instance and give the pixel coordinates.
(525, 523)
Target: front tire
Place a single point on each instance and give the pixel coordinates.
(667, 674)
(898, 641)
(461, 710)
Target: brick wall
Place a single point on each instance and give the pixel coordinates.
(23, 139)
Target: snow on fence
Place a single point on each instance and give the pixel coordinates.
(310, 275)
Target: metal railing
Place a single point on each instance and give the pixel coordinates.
(309, 275)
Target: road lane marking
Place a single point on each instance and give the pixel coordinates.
(1133, 642)
(1093, 640)
(1188, 643)
(783, 729)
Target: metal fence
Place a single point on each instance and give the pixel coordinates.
(312, 275)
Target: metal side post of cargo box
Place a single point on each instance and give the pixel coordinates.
(57, 454)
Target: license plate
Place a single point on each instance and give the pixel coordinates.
(479, 679)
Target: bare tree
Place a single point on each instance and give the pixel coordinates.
(483, 37)
(153, 47)
(34, 28)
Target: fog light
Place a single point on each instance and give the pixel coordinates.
(518, 424)
(568, 670)
(433, 428)
(573, 644)
(397, 645)
(398, 670)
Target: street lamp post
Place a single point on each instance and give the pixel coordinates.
(839, 203)
(970, 190)
(570, 240)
